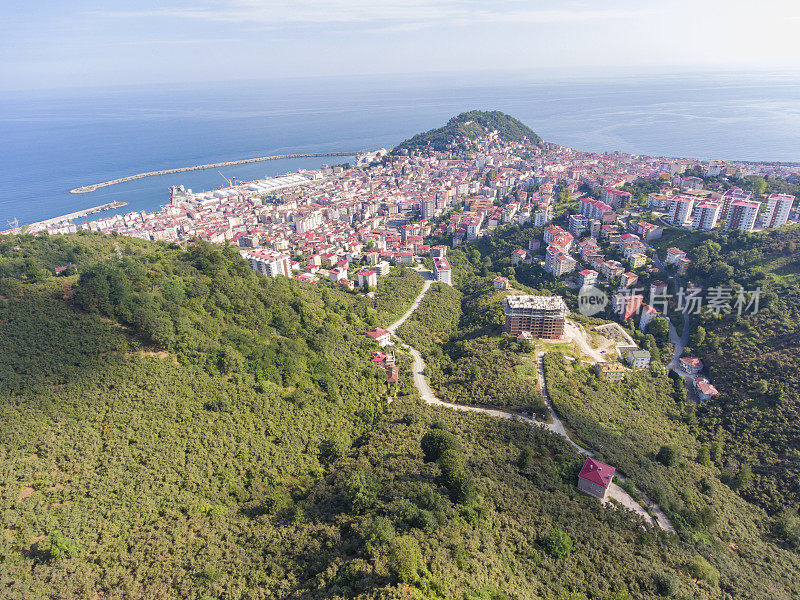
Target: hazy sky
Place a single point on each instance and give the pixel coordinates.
(67, 43)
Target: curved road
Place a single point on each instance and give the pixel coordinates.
(556, 426)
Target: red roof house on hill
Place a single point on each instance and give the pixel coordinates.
(595, 477)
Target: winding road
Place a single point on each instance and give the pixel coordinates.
(556, 426)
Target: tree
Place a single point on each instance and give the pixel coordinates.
(379, 532)
(669, 455)
(526, 458)
(63, 547)
(361, 489)
(704, 456)
(451, 463)
(744, 478)
(462, 490)
(697, 337)
(659, 328)
(435, 442)
(405, 558)
(704, 570)
(666, 584)
(559, 544)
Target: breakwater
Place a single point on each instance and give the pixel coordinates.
(78, 214)
(90, 188)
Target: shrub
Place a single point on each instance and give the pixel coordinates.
(669, 455)
(361, 489)
(559, 544)
(405, 559)
(703, 570)
(435, 442)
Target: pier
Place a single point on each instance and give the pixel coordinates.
(90, 188)
(78, 214)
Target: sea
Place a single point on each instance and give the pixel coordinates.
(53, 141)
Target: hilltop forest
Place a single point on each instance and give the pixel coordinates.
(470, 125)
(176, 425)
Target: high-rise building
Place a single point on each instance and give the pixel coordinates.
(680, 210)
(270, 264)
(542, 316)
(428, 208)
(742, 216)
(706, 215)
(778, 208)
(729, 197)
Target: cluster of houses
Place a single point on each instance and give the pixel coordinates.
(693, 366)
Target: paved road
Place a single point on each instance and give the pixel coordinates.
(680, 343)
(556, 426)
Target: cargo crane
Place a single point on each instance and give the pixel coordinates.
(228, 181)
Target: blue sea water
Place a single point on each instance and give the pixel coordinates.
(53, 141)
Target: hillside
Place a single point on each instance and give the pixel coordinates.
(754, 359)
(470, 125)
(176, 426)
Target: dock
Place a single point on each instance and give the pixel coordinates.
(78, 214)
(90, 188)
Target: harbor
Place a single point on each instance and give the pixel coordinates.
(90, 188)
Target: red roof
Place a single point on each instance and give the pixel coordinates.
(596, 472)
(377, 333)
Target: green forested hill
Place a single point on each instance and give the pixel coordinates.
(174, 425)
(470, 125)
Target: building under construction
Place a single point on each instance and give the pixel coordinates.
(541, 316)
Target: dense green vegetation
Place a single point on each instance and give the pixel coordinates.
(395, 293)
(467, 361)
(470, 125)
(177, 426)
(754, 360)
(651, 434)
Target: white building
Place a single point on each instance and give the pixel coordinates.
(270, 264)
(778, 208)
(680, 210)
(742, 216)
(706, 215)
(441, 271)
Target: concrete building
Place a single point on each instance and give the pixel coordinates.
(381, 336)
(648, 314)
(595, 478)
(706, 215)
(501, 283)
(680, 210)
(542, 316)
(271, 264)
(367, 277)
(778, 208)
(610, 371)
(442, 271)
(638, 359)
(587, 277)
(742, 216)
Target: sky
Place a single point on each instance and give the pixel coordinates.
(80, 43)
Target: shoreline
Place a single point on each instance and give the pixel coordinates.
(95, 186)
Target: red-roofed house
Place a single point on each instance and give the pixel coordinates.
(691, 364)
(705, 391)
(595, 478)
(381, 336)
